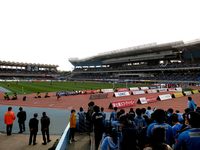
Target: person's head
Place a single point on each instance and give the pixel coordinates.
(174, 118)
(194, 119)
(90, 104)
(73, 111)
(96, 109)
(9, 108)
(131, 110)
(143, 110)
(189, 98)
(102, 109)
(148, 108)
(81, 109)
(35, 115)
(20, 108)
(170, 110)
(159, 115)
(138, 112)
(44, 114)
(115, 108)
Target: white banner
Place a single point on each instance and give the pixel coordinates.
(144, 88)
(138, 92)
(179, 89)
(162, 90)
(107, 90)
(134, 89)
(152, 91)
(187, 93)
(165, 97)
(142, 100)
(119, 94)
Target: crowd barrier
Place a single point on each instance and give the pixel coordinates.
(195, 91)
(107, 90)
(63, 142)
(138, 92)
(187, 93)
(134, 89)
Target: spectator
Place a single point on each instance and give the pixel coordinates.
(21, 115)
(139, 120)
(110, 142)
(45, 122)
(81, 120)
(131, 114)
(46, 95)
(149, 111)
(189, 139)
(191, 104)
(176, 125)
(113, 115)
(33, 126)
(97, 120)
(72, 126)
(129, 137)
(158, 140)
(104, 115)
(159, 121)
(9, 118)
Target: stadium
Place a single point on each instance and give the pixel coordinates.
(156, 75)
(176, 62)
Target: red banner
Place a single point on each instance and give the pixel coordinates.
(122, 89)
(123, 103)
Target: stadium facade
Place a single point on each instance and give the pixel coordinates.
(27, 71)
(170, 62)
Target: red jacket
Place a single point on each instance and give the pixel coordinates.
(9, 117)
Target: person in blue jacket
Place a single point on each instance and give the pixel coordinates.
(190, 138)
(191, 104)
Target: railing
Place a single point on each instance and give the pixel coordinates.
(63, 142)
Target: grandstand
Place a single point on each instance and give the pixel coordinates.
(169, 62)
(26, 71)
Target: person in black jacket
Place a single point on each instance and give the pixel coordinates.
(33, 126)
(21, 115)
(45, 122)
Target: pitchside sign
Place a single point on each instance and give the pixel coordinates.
(142, 100)
(165, 97)
(138, 92)
(186, 93)
(134, 88)
(107, 90)
(119, 94)
(123, 104)
(144, 88)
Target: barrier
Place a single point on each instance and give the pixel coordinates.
(171, 89)
(122, 89)
(142, 100)
(187, 93)
(177, 95)
(119, 94)
(195, 91)
(164, 97)
(134, 89)
(151, 91)
(98, 96)
(179, 89)
(162, 90)
(151, 99)
(124, 103)
(63, 142)
(144, 88)
(138, 92)
(107, 90)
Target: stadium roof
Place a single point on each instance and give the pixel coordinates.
(20, 64)
(152, 51)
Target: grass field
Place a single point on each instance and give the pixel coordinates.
(33, 87)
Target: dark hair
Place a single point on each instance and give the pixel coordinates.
(149, 108)
(73, 110)
(159, 115)
(35, 115)
(9, 108)
(96, 109)
(44, 114)
(81, 109)
(20, 108)
(115, 108)
(170, 110)
(193, 119)
(189, 98)
(174, 117)
(138, 112)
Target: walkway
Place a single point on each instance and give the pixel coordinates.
(20, 142)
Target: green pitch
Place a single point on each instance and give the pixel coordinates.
(33, 87)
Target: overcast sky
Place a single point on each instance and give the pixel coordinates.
(50, 32)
